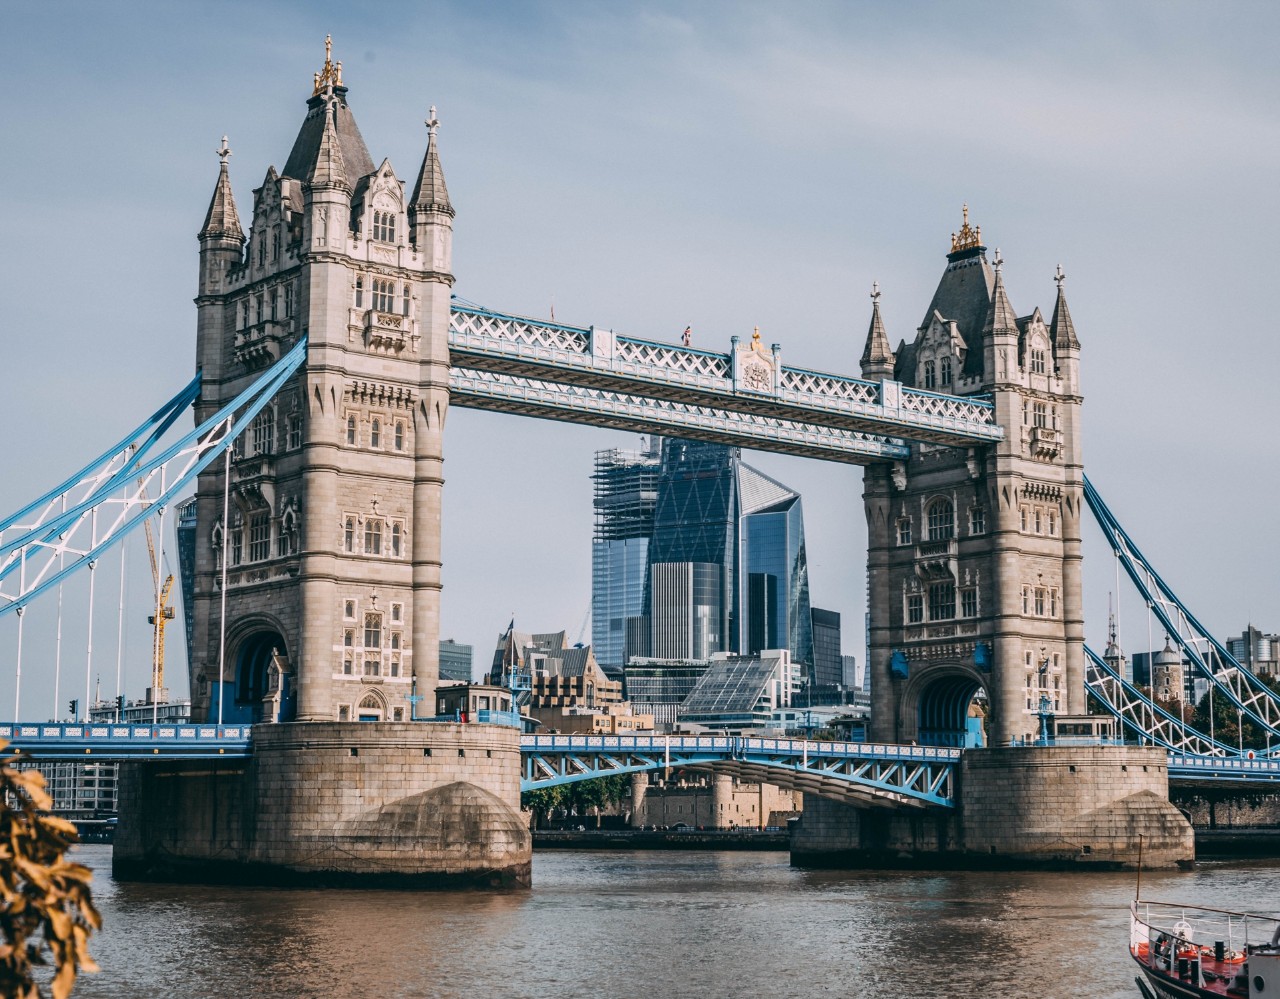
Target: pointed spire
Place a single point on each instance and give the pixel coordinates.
(877, 356)
(329, 168)
(1113, 632)
(1000, 315)
(429, 193)
(222, 218)
(1062, 329)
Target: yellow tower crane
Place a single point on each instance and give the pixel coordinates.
(164, 612)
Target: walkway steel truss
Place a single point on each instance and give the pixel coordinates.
(118, 491)
(859, 773)
(1225, 674)
(494, 391)
(610, 364)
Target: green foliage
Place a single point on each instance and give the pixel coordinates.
(578, 797)
(1226, 719)
(45, 901)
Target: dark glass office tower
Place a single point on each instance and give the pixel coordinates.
(727, 569)
(693, 552)
(774, 568)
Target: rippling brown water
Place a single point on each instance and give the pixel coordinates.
(658, 924)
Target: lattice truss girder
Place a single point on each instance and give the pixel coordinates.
(847, 771)
(531, 348)
(1142, 716)
(1206, 654)
(73, 524)
(490, 390)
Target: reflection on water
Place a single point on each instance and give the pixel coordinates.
(654, 924)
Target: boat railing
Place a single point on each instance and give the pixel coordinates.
(1162, 934)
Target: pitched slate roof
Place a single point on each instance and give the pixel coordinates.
(306, 147)
(222, 219)
(430, 192)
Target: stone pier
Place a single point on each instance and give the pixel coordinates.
(1061, 807)
(395, 805)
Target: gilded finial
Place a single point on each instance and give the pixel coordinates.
(755, 336)
(224, 151)
(331, 74)
(875, 292)
(1059, 277)
(968, 236)
(432, 121)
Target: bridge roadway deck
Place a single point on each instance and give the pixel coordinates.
(867, 773)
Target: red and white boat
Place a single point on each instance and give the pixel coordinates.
(1194, 952)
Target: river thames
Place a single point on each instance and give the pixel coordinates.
(659, 924)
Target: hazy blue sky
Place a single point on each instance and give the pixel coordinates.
(646, 166)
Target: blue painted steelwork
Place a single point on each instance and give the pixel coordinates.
(131, 446)
(866, 773)
(99, 742)
(1140, 715)
(44, 555)
(1216, 768)
(1250, 697)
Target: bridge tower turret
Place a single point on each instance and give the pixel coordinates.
(333, 533)
(974, 554)
(221, 249)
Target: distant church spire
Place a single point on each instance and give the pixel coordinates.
(877, 355)
(222, 218)
(430, 193)
(1062, 329)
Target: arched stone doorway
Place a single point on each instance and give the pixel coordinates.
(943, 710)
(371, 708)
(261, 660)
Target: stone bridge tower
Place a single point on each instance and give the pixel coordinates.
(333, 533)
(974, 554)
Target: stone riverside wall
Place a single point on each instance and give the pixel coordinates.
(1231, 820)
(367, 804)
(1081, 806)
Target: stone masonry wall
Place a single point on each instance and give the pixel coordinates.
(1072, 805)
(1018, 808)
(397, 804)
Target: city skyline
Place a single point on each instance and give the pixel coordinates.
(639, 148)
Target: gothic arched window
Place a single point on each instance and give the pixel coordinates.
(351, 430)
(373, 537)
(946, 370)
(384, 227)
(384, 295)
(399, 435)
(375, 433)
(930, 379)
(395, 540)
(349, 535)
(942, 520)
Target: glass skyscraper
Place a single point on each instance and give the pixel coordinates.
(724, 563)
(625, 496)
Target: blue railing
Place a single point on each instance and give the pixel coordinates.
(50, 740)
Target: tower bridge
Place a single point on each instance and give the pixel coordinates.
(329, 347)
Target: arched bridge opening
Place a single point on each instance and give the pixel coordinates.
(263, 681)
(948, 712)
